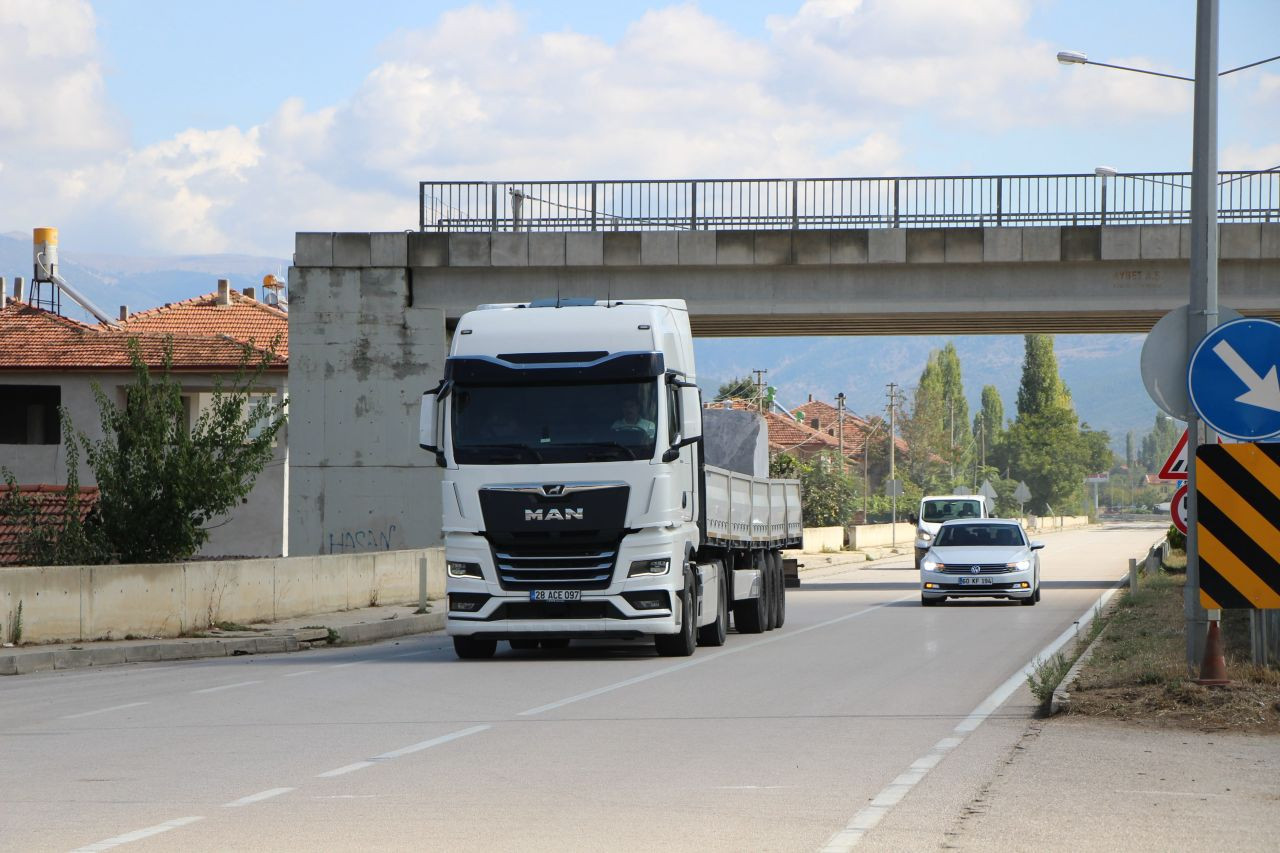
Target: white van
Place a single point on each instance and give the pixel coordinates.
(935, 509)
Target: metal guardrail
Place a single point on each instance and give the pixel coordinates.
(807, 203)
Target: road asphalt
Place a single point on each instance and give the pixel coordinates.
(1002, 780)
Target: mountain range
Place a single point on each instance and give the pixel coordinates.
(1101, 371)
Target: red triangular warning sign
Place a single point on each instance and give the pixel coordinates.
(1175, 467)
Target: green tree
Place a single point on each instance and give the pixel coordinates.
(1046, 446)
(938, 429)
(160, 483)
(1159, 443)
(827, 497)
(740, 388)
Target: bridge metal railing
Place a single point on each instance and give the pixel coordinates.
(807, 203)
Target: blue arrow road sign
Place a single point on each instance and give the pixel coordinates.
(1232, 379)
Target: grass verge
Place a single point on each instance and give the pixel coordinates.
(1138, 673)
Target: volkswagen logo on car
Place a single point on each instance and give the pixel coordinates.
(976, 570)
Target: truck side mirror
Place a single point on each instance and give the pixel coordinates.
(429, 424)
(690, 413)
(913, 518)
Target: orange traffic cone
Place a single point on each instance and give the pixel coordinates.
(1213, 669)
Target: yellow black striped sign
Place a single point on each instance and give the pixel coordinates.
(1238, 525)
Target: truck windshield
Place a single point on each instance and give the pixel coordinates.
(586, 422)
(945, 510)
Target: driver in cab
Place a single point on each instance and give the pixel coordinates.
(631, 419)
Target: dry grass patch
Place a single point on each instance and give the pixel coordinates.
(1137, 672)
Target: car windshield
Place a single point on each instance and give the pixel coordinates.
(544, 423)
(936, 511)
(980, 536)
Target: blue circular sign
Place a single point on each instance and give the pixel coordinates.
(1232, 379)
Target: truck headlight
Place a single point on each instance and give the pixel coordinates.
(926, 535)
(459, 569)
(642, 568)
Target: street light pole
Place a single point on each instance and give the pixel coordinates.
(840, 426)
(1202, 313)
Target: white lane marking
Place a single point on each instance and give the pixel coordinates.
(341, 665)
(427, 744)
(1173, 793)
(407, 750)
(342, 771)
(138, 835)
(705, 658)
(225, 687)
(892, 794)
(304, 672)
(103, 710)
(256, 798)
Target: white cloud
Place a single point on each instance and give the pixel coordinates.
(829, 90)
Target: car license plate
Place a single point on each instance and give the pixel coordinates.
(555, 595)
(975, 581)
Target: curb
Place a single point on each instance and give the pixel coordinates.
(1060, 701)
(24, 662)
(386, 629)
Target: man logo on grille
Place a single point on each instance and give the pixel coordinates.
(553, 514)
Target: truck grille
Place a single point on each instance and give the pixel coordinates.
(561, 568)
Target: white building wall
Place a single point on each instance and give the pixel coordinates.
(256, 528)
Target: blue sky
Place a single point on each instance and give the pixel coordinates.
(150, 127)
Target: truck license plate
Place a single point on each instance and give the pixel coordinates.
(978, 581)
(555, 595)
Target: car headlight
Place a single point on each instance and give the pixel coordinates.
(643, 568)
(459, 569)
(926, 535)
(1020, 566)
(932, 565)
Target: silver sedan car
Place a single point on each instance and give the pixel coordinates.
(987, 558)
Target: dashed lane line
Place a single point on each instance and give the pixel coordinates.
(256, 798)
(403, 751)
(137, 835)
(102, 711)
(225, 687)
(707, 658)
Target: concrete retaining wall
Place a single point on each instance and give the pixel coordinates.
(65, 603)
(862, 536)
(1048, 524)
(819, 539)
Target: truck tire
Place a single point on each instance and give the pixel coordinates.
(780, 590)
(474, 648)
(681, 644)
(770, 586)
(748, 613)
(715, 633)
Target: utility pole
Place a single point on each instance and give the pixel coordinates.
(1202, 311)
(893, 475)
(760, 388)
(840, 427)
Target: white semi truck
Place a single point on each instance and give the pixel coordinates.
(577, 503)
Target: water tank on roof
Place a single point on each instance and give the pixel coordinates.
(44, 255)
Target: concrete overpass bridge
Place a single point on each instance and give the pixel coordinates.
(370, 313)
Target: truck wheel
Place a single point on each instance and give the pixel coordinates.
(770, 585)
(748, 613)
(714, 634)
(682, 644)
(779, 589)
(474, 648)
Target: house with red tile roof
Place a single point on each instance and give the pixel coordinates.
(787, 435)
(826, 418)
(50, 505)
(49, 364)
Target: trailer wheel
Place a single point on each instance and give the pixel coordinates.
(779, 589)
(748, 613)
(770, 590)
(714, 634)
(682, 644)
(474, 648)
